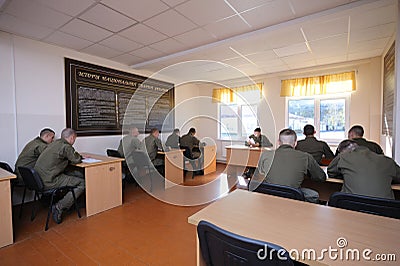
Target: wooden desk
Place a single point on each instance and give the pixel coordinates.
(103, 183)
(340, 181)
(210, 159)
(238, 157)
(6, 226)
(301, 225)
(173, 167)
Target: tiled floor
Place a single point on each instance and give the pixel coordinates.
(143, 231)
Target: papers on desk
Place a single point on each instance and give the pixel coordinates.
(251, 141)
(90, 160)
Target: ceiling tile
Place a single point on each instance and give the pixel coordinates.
(200, 12)
(70, 7)
(313, 6)
(172, 3)
(269, 14)
(138, 10)
(374, 17)
(301, 64)
(328, 47)
(326, 28)
(85, 30)
(294, 59)
(10, 23)
(381, 31)
(283, 37)
(237, 61)
(195, 38)
(218, 53)
(331, 60)
(228, 27)
(170, 23)
(263, 56)
(65, 40)
(147, 53)
(241, 5)
(368, 45)
(102, 51)
(115, 21)
(120, 43)
(298, 48)
(142, 34)
(275, 69)
(168, 46)
(127, 59)
(37, 13)
(261, 62)
(365, 54)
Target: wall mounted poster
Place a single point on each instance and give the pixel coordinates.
(101, 101)
(388, 91)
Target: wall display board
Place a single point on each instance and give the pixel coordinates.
(388, 91)
(100, 100)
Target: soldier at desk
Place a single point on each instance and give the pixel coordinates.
(153, 145)
(51, 166)
(256, 140)
(363, 171)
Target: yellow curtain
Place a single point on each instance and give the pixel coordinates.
(229, 95)
(328, 84)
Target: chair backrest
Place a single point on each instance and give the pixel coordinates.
(187, 153)
(113, 153)
(280, 191)
(366, 204)
(220, 247)
(141, 158)
(6, 167)
(31, 178)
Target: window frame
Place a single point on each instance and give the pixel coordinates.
(317, 115)
(240, 136)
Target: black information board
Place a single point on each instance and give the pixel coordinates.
(100, 101)
(388, 91)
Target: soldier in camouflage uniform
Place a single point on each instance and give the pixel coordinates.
(51, 166)
(32, 150)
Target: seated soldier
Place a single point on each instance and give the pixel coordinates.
(192, 152)
(32, 150)
(363, 171)
(51, 166)
(317, 148)
(287, 166)
(356, 134)
(153, 144)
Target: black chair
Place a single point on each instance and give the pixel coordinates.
(280, 191)
(14, 182)
(34, 182)
(113, 153)
(220, 247)
(142, 162)
(366, 204)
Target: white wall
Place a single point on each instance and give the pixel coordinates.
(33, 94)
(365, 103)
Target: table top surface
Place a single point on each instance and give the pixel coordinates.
(103, 160)
(5, 175)
(244, 147)
(301, 225)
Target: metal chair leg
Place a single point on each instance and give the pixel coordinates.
(76, 204)
(23, 201)
(49, 211)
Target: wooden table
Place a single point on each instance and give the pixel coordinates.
(238, 157)
(301, 225)
(103, 183)
(173, 167)
(210, 159)
(340, 181)
(6, 226)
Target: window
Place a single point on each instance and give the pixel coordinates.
(237, 111)
(329, 115)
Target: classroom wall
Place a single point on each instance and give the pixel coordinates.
(32, 74)
(365, 102)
